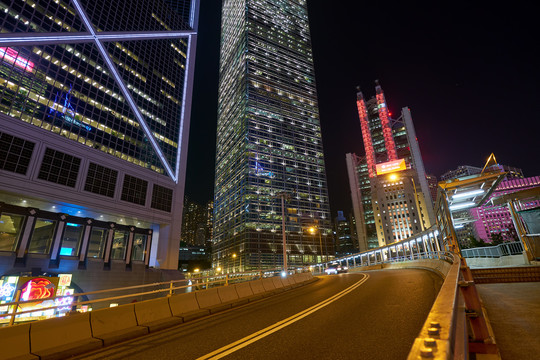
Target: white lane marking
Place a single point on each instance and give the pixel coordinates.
(237, 345)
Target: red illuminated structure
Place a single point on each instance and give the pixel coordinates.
(366, 133)
(385, 123)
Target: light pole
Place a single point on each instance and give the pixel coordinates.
(312, 231)
(283, 195)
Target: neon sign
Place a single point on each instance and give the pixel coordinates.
(7, 290)
(68, 112)
(391, 166)
(37, 288)
(12, 56)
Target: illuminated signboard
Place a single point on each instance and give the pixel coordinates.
(391, 166)
(12, 56)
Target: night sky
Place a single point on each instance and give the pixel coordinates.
(469, 75)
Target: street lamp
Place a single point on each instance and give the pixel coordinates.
(312, 231)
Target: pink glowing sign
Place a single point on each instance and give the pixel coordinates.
(12, 56)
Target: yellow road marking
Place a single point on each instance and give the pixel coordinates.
(237, 345)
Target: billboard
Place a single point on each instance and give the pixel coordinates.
(391, 166)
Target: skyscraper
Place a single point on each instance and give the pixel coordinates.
(268, 140)
(390, 193)
(94, 112)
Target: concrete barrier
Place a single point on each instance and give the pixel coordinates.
(70, 335)
(209, 299)
(287, 281)
(155, 314)
(116, 324)
(257, 287)
(62, 337)
(185, 306)
(268, 285)
(244, 290)
(15, 342)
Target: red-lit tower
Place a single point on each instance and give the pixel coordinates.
(366, 133)
(385, 123)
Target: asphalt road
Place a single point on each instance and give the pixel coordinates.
(368, 315)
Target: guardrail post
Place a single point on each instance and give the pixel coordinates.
(481, 341)
(227, 279)
(171, 288)
(15, 307)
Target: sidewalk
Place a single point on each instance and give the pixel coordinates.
(513, 310)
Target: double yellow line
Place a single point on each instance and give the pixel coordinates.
(256, 336)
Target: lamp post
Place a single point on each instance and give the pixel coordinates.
(312, 231)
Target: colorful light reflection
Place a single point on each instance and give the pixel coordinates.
(12, 56)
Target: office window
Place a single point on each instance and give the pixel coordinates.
(71, 240)
(119, 245)
(161, 198)
(97, 243)
(134, 190)
(59, 168)
(42, 237)
(139, 247)
(101, 180)
(10, 230)
(15, 153)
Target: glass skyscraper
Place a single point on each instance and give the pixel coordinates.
(94, 114)
(268, 140)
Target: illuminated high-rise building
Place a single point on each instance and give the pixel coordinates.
(269, 143)
(389, 189)
(94, 114)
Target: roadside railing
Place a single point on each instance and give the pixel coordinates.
(510, 248)
(21, 310)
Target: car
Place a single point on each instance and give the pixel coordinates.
(335, 269)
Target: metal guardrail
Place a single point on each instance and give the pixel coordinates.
(444, 333)
(16, 312)
(511, 248)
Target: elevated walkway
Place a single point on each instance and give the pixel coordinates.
(514, 313)
(506, 275)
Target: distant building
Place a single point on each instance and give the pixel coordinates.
(496, 220)
(461, 171)
(195, 224)
(432, 185)
(467, 170)
(512, 172)
(389, 189)
(346, 242)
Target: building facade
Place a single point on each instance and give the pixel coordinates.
(194, 224)
(346, 241)
(94, 127)
(389, 188)
(269, 142)
(494, 223)
(461, 171)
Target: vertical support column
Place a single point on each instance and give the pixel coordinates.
(129, 249)
(522, 234)
(148, 248)
(84, 246)
(25, 236)
(57, 241)
(108, 248)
